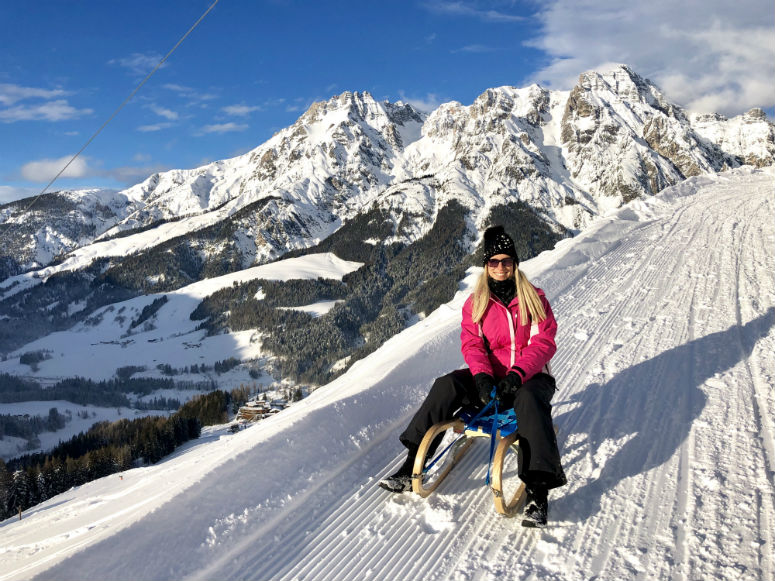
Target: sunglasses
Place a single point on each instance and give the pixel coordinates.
(506, 262)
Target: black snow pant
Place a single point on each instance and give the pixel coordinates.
(540, 457)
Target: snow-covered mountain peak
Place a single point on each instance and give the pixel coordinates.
(618, 78)
(350, 108)
(754, 115)
(503, 102)
(619, 84)
(570, 154)
(749, 137)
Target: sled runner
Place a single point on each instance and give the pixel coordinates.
(500, 428)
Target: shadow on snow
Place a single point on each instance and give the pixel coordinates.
(654, 404)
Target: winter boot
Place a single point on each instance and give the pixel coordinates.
(536, 507)
(401, 480)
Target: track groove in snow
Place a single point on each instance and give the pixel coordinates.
(665, 408)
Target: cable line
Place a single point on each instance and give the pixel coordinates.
(120, 107)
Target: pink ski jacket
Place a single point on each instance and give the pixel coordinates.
(500, 342)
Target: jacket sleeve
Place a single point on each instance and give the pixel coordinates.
(472, 343)
(541, 347)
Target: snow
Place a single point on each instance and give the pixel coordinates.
(409, 132)
(11, 447)
(665, 414)
(106, 341)
(85, 255)
(316, 309)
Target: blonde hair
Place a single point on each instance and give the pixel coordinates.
(529, 300)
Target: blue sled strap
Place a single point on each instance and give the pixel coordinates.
(456, 440)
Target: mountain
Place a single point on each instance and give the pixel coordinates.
(402, 192)
(39, 231)
(664, 408)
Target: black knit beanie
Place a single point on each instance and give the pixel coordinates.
(496, 241)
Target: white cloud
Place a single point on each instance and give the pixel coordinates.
(139, 64)
(11, 94)
(178, 88)
(474, 48)
(426, 104)
(278, 102)
(298, 104)
(224, 127)
(473, 10)
(194, 96)
(131, 175)
(163, 112)
(207, 96)
(240, 110)
(44, 170)
(707, 56)
(154, 127)
(52, 111)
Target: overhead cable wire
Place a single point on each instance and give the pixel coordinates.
(120, 107)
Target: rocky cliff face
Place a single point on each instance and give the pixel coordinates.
(570, 155)
(750, 138)
(625, 140)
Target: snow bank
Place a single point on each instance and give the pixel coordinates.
(665, 410)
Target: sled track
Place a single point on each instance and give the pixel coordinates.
(665, 410)
(685, 468)
(344, 530)
(647, 466)
(612, 501)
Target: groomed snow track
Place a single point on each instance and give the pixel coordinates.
(665, 410)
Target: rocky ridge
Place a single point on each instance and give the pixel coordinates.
(571, 155)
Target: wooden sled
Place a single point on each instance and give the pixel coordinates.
(424, 482)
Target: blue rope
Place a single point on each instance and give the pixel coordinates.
(485, 408)
(461, 436)
(444, 451)
(496, 423)
(493, 433)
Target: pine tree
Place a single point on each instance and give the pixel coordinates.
(20, 491)
(45, 477)
(6, 480)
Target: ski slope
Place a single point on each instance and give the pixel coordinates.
(665, 408)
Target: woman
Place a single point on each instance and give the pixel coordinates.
(507, 340)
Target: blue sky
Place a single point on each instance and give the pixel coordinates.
(252, 67)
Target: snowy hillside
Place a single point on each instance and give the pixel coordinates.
(665, 409)
(108, 339)
(572, 154)
(400, 192)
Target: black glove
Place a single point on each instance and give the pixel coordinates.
(509, 385)
(484, 385)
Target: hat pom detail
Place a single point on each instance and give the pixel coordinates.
(496, 241)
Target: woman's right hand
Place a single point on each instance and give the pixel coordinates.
(484, 384)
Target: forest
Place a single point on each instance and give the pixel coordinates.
(108, 448)
(80, 390)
